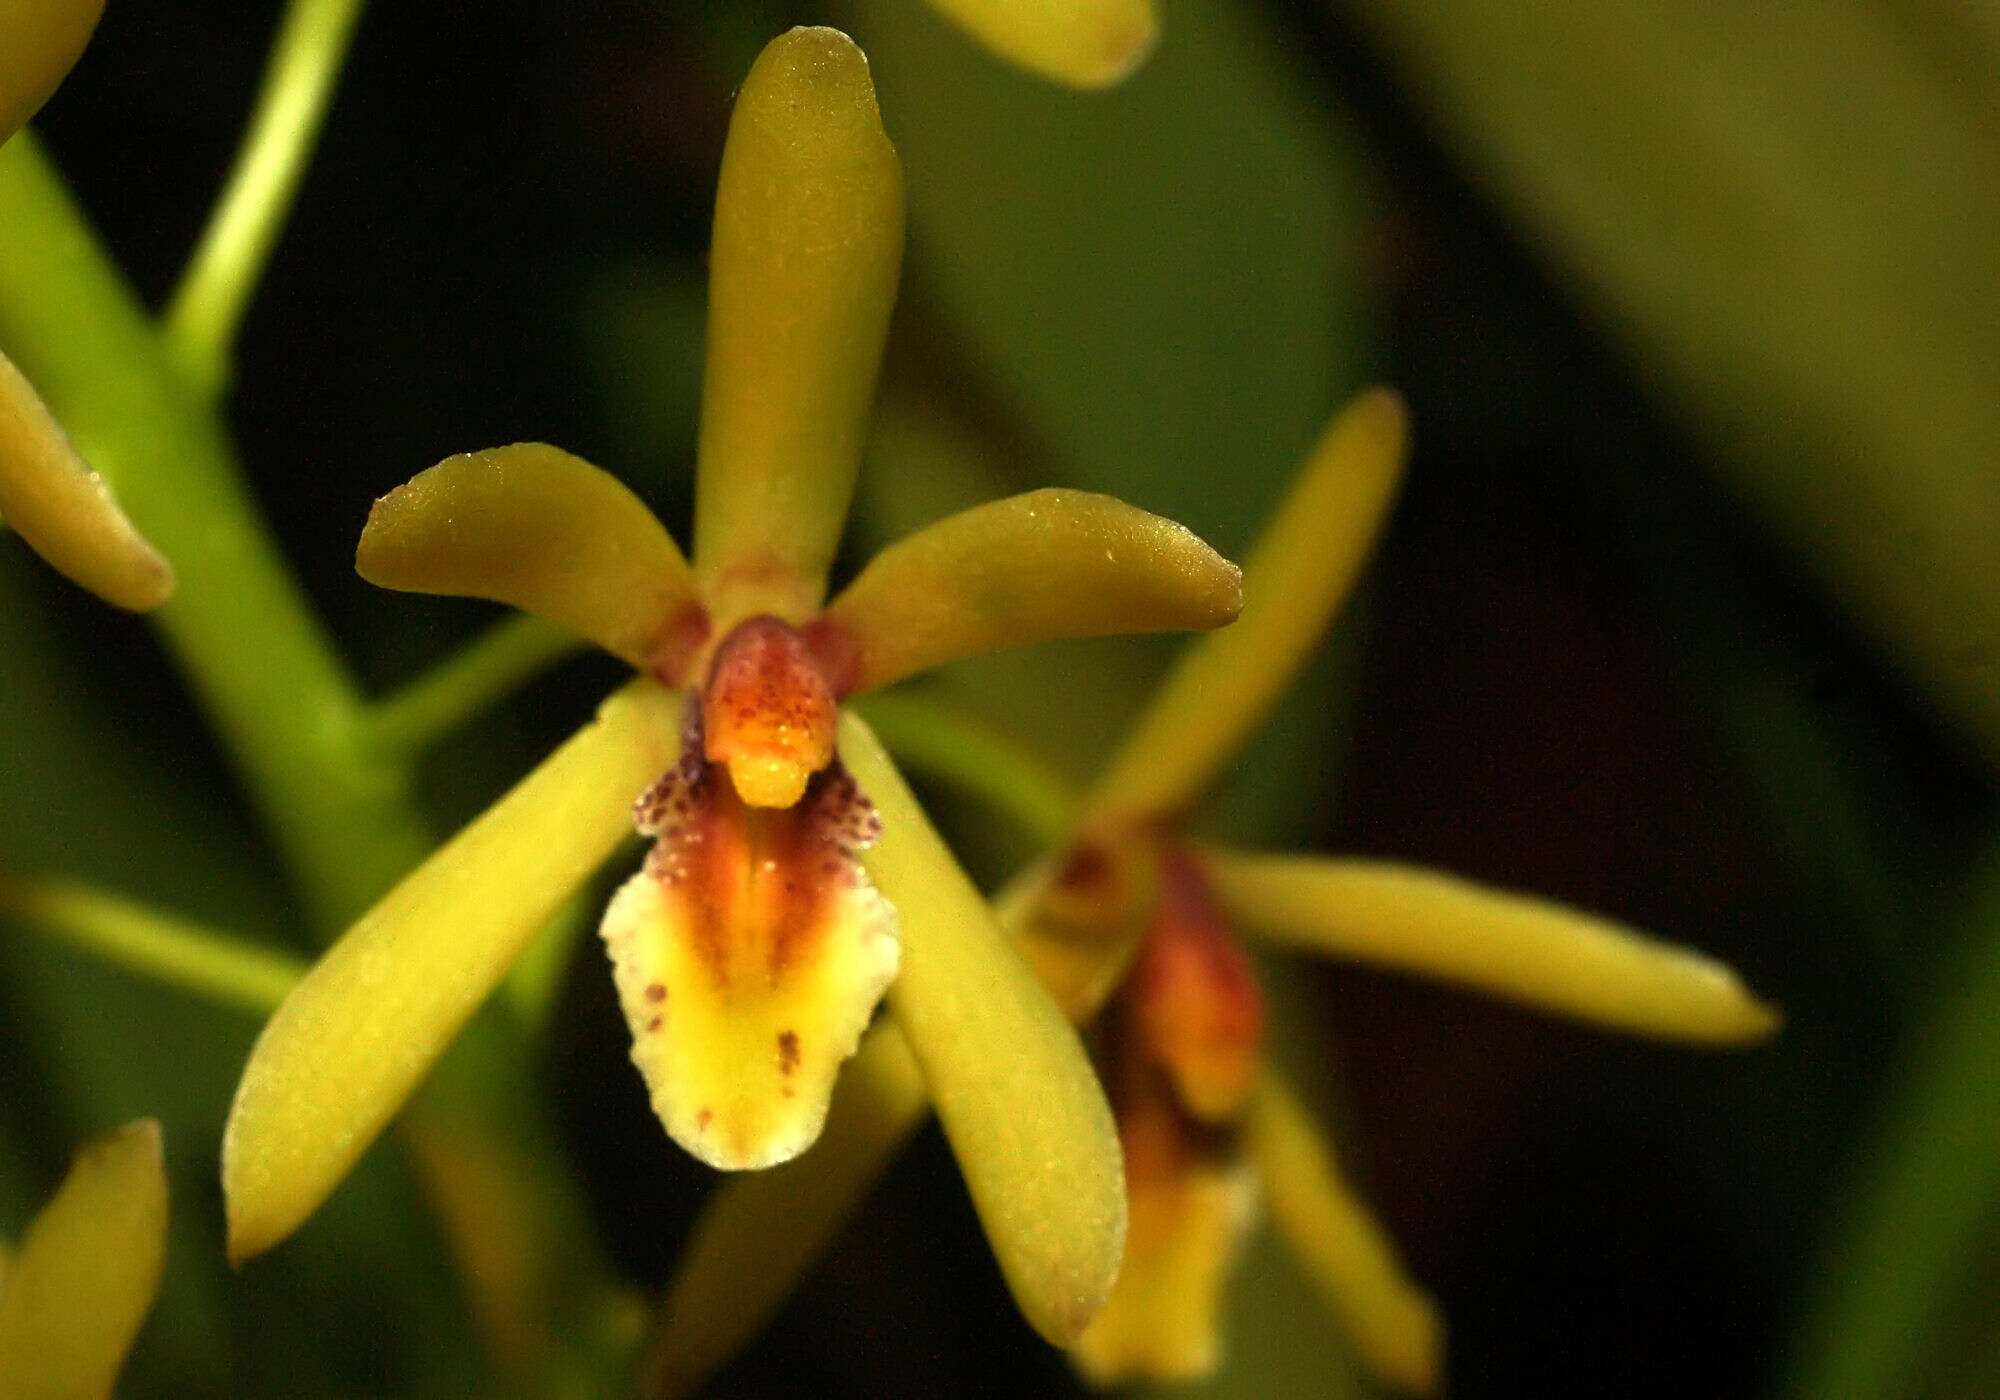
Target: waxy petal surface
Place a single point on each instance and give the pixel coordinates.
(1343, 1250)
(1517, 946)
(1295, 580)
(549, 533)
(1084, 43)
(40, 41)
(1012, 1087)
(783, 1218)
(62, 508)
(802, 276)
(354, 1038)
(1032, 568)
(749, 953)
(75, 1295)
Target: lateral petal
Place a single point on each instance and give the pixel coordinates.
(62, 508)
(354, 1038)
(532, 526)
(1012, 1087)
(1340, 1245)
(1084, 43)
(749, 953)
(1032, 568)
(40, 41)
(807, 246)
(1295, 580)
(74, 1297)
(1516, 946)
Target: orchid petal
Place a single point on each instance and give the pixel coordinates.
(1084, 43)
(355, 1037)
(1341, 1246)
(802, 275)
(1516, 946)
(1032, 568)
(1012, 1087)
(63, 509)
(40, 41)
(783, 1218)
(1294, 582)
(76, 1294)
(749, 954)
(535, 527)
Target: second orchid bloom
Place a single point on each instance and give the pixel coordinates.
(792, 878)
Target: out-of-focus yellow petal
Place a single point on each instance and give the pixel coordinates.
(533, 526)
(355, 1037)
(1085, 43)
(767, 713)
(782, 1219)
(1190, 1213)
(84, 1279)
(1032, 568)
(1295, 580)
(62, 508)
(802, 275)
(1193, 1000)
(1013, 1089)
(1393, 1323)
(1077, 920)
(40, 41)
(1516, 946)
(749, 953)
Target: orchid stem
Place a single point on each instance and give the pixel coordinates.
(509, 653)
(217, 966)
(206, 308)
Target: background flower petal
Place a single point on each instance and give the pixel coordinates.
(40, 41)
(1516, 946)
(63, 509)
(1085, 43)
(1012, 1087)
(354, 1038)
(1343, 1249)
(1294, 581)
(802, 276)
(548, 532)
(75, 1295)
(1032, 568)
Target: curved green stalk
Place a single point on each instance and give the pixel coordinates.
(489, 668)
(207, 306)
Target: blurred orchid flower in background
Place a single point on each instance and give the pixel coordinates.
(1083, 43)
(1134, 919)
(793, 878)
(49, 496)
(75, 1293)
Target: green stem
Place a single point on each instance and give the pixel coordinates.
(153, 944)
(1926, 1189)
(208, 305)
(942, 742)
(508, 653)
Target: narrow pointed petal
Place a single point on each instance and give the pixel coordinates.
(749, 953)
(76, 1294)
(40, 41)
(1341, 1246)
(1012, 1087)
(354, 1038)
(802, 275)
(1516, 946)
(1295, 580)
(783, 1219)
(533, 526)
(1032, 568)
(62, 508)
(1084, 43)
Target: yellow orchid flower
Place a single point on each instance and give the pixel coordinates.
(792, 878)
(74, 1296)
(48, 495)
(1134, 920)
